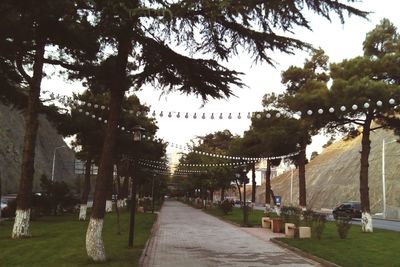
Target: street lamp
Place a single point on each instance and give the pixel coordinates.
(54, 161)
(384, 177)
(137, 136)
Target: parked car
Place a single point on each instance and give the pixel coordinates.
(347, 209)
(3, 204)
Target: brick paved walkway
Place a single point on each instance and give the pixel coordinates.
(187, 237)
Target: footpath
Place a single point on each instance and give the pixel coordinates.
(187, 237)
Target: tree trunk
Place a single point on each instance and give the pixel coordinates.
(366, 219)
(222, 194)
(212, 196)
(125, 189)
(0, 196)
(21, 224)
(86, 189)
(240, 193)
(132, 213)
(302, 175)
(268, 186)
(254, 184)
(117, 208)
(94, 242)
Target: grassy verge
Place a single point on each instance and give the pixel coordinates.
(236, 216)
(60, 241)
(358, 250)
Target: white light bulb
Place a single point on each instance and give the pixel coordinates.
(331, 110)
(320, 111)
(366, 105)
(258, 116)
(343, 108)
(278, 115)
(268, 115)
(354, 107)
(379, 103)
(309, 112)
(392, 101)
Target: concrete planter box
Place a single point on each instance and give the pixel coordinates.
(290, 229)
(304, 232)
(266, 222)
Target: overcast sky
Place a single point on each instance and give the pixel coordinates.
(339, 42)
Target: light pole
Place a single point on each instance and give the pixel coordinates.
(384, 177)
(291, 188)
(137, 136)
(54, 161)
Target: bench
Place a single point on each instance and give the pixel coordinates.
(266, 222)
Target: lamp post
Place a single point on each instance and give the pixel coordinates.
(137, 136)
(384, 177)
(54, 161)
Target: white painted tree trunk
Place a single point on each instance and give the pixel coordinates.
(109, 205)
(21, 224)
(94, 242)
(120, 203)
(82, 212)
(366, 222)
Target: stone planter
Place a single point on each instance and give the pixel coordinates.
(266, 222)
(290, 230)
(304, 232)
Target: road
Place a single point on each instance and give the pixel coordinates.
(377, 223)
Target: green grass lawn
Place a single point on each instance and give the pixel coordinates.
(236, 216)
(380, 248)
(60, 241)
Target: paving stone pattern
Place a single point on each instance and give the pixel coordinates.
(187, 237)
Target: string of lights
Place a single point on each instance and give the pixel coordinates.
(224, 115)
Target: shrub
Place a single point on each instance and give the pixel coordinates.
(226, 206)
(318, 224)
(291, 215)
(343, 226)
(307, 218)
(55, 198)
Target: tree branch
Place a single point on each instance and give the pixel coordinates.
(87, 68)
(21, 69)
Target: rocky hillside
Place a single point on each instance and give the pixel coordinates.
(11, 141)
(333, 176)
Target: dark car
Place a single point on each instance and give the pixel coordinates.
(347, 209)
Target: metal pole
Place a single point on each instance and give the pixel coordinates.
(291, 188)
(132, 214)
(383, 179)
(54, 162)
